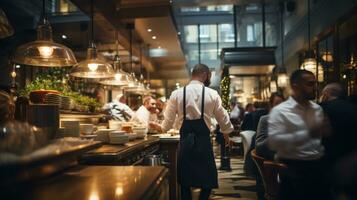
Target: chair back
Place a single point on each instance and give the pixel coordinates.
(269, 171)
(246, 140)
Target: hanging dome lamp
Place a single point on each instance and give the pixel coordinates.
(93, 67)
(44, 52)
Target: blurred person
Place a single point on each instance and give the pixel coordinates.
(294, 129)
(342, 117)
(146, 112)
(195, 104)
(160, 108)
(249, 108)
(118, 109)
(261, 140)
(234, 115)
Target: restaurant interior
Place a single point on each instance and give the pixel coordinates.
(63, 61)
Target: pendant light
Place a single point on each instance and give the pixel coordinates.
(120, 78)
(133, 81)
(44, 52)
(140, 87)
(282, 75)
(92, 67)
(310, 63)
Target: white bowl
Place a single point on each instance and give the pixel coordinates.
(86, 129)
(103, 135)
(116, 125)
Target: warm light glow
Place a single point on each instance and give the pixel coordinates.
(64, 36)
(45, 51)
(17, 66)
(310, 64)
(13, 74)
(94, 196)
(119, 190)
(159, 47)
(93, 67)
(327, 56)
(149, 30)
(273, 87)
(344, 76)
(117, 77)
(153, 37)
(283, 80)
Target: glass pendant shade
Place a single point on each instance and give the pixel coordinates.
(120, 78)
(136, 87)
(92, 67)
(283, 80)
(44, 52)
(273, 87)
(310, 64)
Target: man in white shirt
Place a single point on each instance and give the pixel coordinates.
(195, 105)
(146, 112)
(118, 109)
(294, 129)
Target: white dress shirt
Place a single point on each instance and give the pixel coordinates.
(289, 124)
(143, 116)
(212, 108)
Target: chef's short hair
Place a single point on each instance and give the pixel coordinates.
(200, 69)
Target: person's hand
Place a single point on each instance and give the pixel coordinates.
(155, 126)
(226, 139)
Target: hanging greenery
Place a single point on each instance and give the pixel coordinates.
(225, 85)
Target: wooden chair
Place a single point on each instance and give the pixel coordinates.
(269, 171)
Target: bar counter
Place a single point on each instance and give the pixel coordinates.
(130, 153)
(96, 183)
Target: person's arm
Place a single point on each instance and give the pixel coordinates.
(278, 137)
(170, 113)
(222, 118)
(261, 140)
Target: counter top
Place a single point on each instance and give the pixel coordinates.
(115, 154)
(94, 182)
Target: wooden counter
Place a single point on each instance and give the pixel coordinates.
(129, 154)
(96, 183)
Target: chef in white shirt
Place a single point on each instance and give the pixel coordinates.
(195, 105)
(147, 112)
(118, 109)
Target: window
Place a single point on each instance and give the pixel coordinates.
(225, 8)
(191, 33)
(190, 9)
(208, 33)
(250, 33)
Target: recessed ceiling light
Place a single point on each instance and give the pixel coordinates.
(149, 30)
(153, 37)
(179, 33)
(64, 36)
(159, 47)
(17, 66)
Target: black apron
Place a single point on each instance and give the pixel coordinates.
(196, 165)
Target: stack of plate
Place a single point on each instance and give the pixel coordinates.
(54, 99)
(118, 137)
(65, 103)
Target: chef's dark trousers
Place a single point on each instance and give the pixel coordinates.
(186, 193)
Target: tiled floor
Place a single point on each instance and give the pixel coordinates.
(232, 184)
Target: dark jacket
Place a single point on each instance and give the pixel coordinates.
(261, 140)
(343, 119)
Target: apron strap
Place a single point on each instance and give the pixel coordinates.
(203, 102)
(184, 103)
